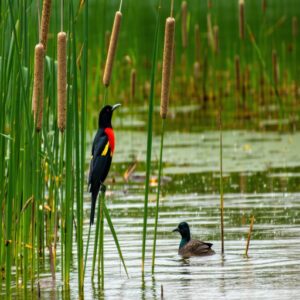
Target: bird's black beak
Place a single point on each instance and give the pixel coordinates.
(115, 106)
(175, 230)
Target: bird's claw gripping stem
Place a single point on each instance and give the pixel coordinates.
(103, 188)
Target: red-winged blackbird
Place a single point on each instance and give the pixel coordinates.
(102, 152)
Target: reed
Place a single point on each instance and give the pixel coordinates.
(249, 236)
(197, 42)
(38, 86)
(149, 134)
(221, 179)
(132, 84)
(184, 33)
(237, 73)
(216, 39)
(210, 35)
(242, 19)
(164, 103)
(61, 80)
(295, 27)
(112, 49)
(44, 27)
(275, 69)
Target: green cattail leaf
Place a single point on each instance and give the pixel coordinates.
(113, 232)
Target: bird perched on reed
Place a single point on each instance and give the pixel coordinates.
(102, 153)
(189, 247)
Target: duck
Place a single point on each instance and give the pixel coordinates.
(189, 247)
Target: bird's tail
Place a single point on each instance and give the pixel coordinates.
(93, 207)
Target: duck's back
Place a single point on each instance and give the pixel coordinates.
(196, 248)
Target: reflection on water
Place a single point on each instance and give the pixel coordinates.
(261, 178)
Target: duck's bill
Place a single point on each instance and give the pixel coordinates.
(116, 106)
(175, 230)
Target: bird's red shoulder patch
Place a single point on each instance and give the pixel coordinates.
(111, 138)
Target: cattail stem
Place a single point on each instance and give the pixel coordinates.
(295, 27)
(112, 49)
(197, 42)
(242, 19)
(132, 83)
(275, 69)
(45, 23)
(221, 179)
(61, 80)
(210, 36)
(172, 8)
(237, 73)
(249, 236)
(216, 39)
(167, 65)
(38, 86)
(184, 24)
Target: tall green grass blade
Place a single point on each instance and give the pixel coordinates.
(149, 133)
(158, 194)
(114, 234)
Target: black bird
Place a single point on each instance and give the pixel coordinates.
(188, 247)
(102, 152)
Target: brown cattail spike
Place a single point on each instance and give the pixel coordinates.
(61, 80)
(132, 83)
(184, 24)
(197, 42)
(38, 86)
(295, 27)
(112, 49)
(264, 6)
(209, 4)
(44, 27)
(167, 66)
(242, 18)
(237, 73)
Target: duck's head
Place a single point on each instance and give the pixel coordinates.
(105, 115)
(184, 229)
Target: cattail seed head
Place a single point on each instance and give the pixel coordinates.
(45, 23)
(264, 6)
(242, 18)
(61, 80)
(167, 66)
(112, 48)
(209, 4)
(184, 23)
(197, 42)
(237, 73)
(38, 86)
(132, 83)
(295, 27)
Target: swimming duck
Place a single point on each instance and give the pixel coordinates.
(188, 247)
